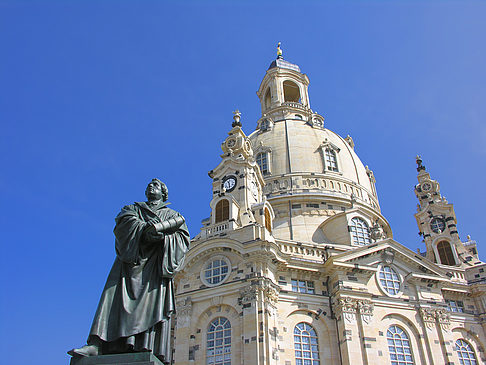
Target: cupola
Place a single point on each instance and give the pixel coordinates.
(282, 85)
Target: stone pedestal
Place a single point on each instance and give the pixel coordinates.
(137, 358)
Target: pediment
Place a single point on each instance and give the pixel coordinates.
(368, 258)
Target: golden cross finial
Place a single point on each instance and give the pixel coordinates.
(279, 51)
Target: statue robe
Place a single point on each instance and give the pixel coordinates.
(138, 298)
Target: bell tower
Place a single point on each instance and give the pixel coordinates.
(437, 224)
(238, 199)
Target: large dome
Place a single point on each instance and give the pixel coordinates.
(293, 146)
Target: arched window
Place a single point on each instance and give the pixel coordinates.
(291, 91)
(305, 345)
(445, 253)
(389, 280)
(268, 98)
(330, 159)
(465, 353)
(262, 162)
(360, 232)
(218, 350)
(399, 346)
(268, 220)
(222, 211)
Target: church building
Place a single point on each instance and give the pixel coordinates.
(296, 264)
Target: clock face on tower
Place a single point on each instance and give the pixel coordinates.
(229, 183)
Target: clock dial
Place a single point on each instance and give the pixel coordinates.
(229, 183)
(426, 186)
(231, 143)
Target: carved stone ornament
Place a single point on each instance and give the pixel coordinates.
(347, 307)
(365, 309)
(388, 256)
(377, 233)
(248, 294)
(428, 316)
(183, 312)
(444, 318)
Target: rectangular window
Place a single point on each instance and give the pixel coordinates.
(311, 205)
(456, 306)
(296, 206)
(303, 286)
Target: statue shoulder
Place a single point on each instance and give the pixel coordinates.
(130, 209)
(173, 213)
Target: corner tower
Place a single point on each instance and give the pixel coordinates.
(437, 223)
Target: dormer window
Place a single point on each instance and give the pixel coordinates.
(264, 125)
(330, 159)
(360, 232)
(262, 161)
(222, 211)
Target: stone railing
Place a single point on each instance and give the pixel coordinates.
(293, 104)
(215, 229)
(302, 251)
(327, 185)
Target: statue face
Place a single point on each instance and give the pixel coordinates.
(154, 190)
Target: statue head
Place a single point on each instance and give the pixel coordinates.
(157, 190)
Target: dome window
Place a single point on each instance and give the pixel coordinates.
(291, 91)
(262, 161)
(330, 159)
(360, 232)
(445, 253)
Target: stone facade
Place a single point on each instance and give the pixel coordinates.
(297, 265)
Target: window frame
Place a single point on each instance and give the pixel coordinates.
(456, 307)
(205, 267)
(314, 355)
(400, 343)
(309, 289)
(331, 147)
(438, 253)
(351, 232)
(214, 337)
(469, 351)
(221, 215)
(383, 288)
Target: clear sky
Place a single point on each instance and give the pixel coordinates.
(98, 97)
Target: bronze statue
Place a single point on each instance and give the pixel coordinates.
(134, 313)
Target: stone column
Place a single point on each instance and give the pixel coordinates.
(365, 309)
(248, 300)
(350, 344)
(431, 335)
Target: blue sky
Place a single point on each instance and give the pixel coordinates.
(98, 97)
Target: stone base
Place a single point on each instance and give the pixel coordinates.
(136, 358)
